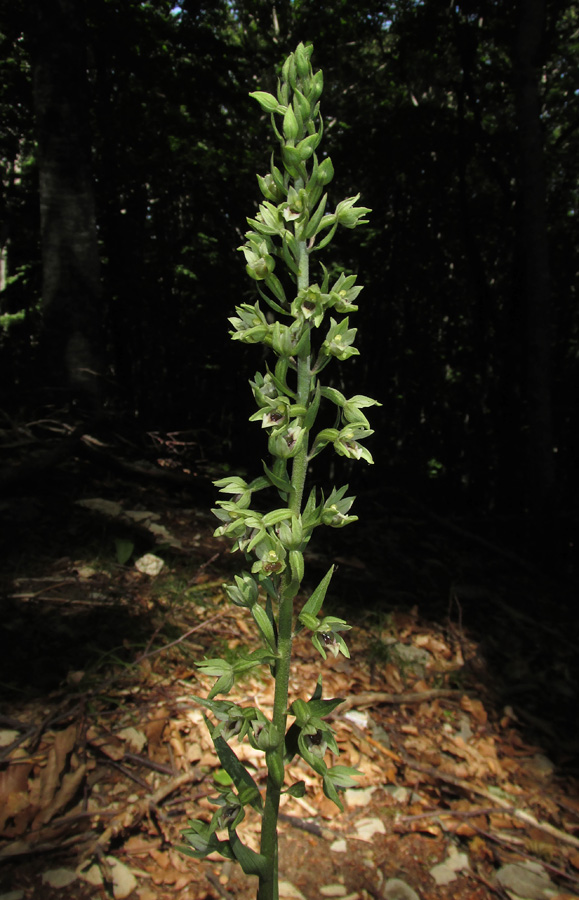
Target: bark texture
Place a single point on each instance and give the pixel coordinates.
(534, 255)
(71, 278)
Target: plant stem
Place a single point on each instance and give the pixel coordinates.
(268, 882)
(300, 462)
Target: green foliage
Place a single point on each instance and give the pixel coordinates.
(292, 224)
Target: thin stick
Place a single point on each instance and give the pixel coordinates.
(521, 814)
(373, 698)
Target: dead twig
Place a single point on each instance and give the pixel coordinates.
(521, 814)
(455, 813)
(214, 881)
(373, 698)
(512, 844)
(179, 640)
(134, 812)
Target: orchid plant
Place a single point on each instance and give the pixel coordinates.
(292, 225)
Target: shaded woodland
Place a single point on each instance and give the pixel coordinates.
(129, 157)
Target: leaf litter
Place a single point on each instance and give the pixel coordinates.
(100, 774)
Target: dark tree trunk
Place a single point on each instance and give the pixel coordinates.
(71, 281)
(534, 256)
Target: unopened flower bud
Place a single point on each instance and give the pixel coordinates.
(290, 125)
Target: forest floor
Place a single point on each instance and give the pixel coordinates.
(461, 704)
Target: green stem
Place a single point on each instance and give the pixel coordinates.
(268, 882)
(300, 461)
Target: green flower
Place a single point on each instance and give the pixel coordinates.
(269, 187)
(250, 324)
(264, 389)
(310, 304)
(351, 410)
(343, 293)
(336, 508)
(349, 215)
(274, 414)
(244, 592)
(296, 205)
(286, 444)
(346, 443)
(268, 220)
(271, 556)
(328, 637)
(259, 261)
(339, 340)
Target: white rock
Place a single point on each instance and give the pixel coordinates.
(367, 828)
(396, 889)
(149, 564)
(526, 879)
(447, 871)
(358, 796)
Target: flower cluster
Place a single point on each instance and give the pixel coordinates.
(305, 327)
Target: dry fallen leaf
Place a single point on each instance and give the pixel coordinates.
(124, 882)
(475, 708)
(59, 878)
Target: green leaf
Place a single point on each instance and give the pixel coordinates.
(124, 549)
(275, 516)
(305, 710)
(270, 302)
(251, 862)
(313, 408)
(296, 559)
(265, 627)
(331, 793)
(202, 841)
(315, 602)
(315, 220)
(222, 777)
(283, 484)
(247, 789)
(296, 790)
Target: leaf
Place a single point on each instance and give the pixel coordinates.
(134, 738)
(315, 602)
(296, 790)
(124, 882)
(275, 516)
(68, 789)
(265, 626)
(246, 787)
(124, 550)
(251, 862)
(58, 878)
(306, 710)
(282, 484)
(222, 777)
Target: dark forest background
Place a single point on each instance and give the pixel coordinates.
(129, 150)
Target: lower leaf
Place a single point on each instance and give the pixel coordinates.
(251, 862)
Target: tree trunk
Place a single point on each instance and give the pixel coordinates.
(533, 245)
(71, 281)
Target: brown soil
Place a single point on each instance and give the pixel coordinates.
(463, 690)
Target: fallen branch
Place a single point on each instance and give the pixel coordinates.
(505, 805)
(132, 814)
(374, 698)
